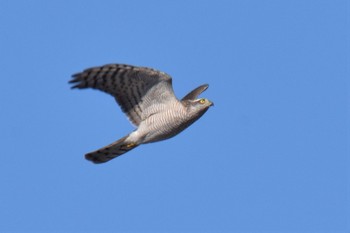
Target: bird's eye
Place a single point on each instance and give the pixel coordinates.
(202, 101)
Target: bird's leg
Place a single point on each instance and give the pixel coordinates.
(128, 146)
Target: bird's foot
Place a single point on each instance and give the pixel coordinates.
(128, 146)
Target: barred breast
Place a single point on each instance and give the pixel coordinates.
(166, 123)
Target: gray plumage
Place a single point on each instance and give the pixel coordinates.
(146, 96)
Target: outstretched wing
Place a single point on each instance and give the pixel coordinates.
(196, 92)
(134, 88)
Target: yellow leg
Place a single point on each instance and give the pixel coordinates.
(130, 145)
(127, 147)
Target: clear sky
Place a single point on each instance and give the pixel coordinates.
(270, 156)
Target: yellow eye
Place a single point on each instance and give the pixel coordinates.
(202, 101)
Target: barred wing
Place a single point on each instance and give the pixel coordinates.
(136, 89)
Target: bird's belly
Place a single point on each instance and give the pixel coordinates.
(161, 129)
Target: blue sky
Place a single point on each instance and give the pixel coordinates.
(270, 156)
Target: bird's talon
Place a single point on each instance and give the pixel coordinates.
(130, 145)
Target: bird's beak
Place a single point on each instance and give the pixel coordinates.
(211, 104)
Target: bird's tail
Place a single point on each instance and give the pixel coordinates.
(111, 151)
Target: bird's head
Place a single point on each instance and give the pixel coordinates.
(197, 107)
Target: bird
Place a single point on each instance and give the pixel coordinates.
(147, 98)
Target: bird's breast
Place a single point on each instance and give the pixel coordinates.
(166, 124)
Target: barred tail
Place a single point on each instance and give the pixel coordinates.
(111, 151)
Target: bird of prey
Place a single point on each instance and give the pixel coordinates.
(146, 96)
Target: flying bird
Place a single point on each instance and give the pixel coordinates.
(146, 96)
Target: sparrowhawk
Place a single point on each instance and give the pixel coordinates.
(146, 96)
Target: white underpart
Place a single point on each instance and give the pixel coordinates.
(134, 137)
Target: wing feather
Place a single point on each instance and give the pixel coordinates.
(196, 92)
(135, 89)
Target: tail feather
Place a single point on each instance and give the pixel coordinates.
(111, 151)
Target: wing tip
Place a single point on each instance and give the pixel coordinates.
(196, 92)
(77, 81)
(76, 84)
(205, 86)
